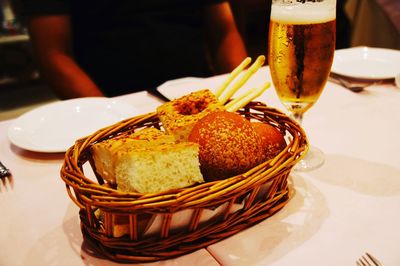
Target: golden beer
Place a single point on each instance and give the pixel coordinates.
(300, 56)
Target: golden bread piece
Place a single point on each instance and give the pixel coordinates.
(272, 140)
(228, 145)
(158, 168)
(104, 153)
(179, 116)
(147, 161)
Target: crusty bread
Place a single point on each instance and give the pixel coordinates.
(104, 153)
(147, 161)
(158, 168)
(272, 140)
(179, 116)
(228, 145)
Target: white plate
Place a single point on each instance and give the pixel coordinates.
(176, 88)
(55, 127)
(367, 63)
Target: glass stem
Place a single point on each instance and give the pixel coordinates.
(298, 117)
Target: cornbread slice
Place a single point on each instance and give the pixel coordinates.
(179, 116)
(104, 153)
(158, 168)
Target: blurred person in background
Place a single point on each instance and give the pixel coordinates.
(108, 48)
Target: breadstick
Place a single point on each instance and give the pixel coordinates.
(233, 75)
(248, 98)
(254, 67)
(239, 98)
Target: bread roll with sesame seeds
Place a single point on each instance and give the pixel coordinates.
(228, 145)
(272, 140)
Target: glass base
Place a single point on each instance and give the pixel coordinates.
(313, 159)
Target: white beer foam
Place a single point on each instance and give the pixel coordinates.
(307, 13)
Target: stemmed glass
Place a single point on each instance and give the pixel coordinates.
(301, 45)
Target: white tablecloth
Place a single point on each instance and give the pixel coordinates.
(347, 207)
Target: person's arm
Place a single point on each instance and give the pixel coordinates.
(227, 47)
(51, 40)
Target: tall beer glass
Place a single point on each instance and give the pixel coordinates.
(302, 37)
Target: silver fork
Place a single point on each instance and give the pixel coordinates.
(5, 177)
(354, 87)
(368, 260)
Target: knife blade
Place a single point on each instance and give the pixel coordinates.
(158, 95)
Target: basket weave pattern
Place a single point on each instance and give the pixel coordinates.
(238, 202)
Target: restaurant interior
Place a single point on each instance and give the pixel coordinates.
(370, 23)
(217, 169)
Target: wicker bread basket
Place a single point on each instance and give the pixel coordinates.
(166, 225)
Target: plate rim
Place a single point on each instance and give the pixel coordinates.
(369, 49)
(61, 104)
